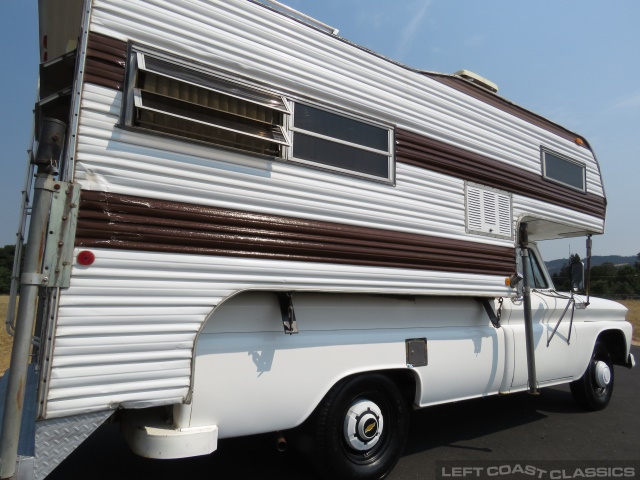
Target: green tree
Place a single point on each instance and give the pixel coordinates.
(628, 275)
(6, 256)
(605, 272)
(600, 288)
(6, 267)
(607, 279)
(5, 280)
(622, 288)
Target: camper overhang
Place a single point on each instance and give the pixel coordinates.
(59, 27)
(545, 229)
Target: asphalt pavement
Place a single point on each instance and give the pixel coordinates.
(457, 440)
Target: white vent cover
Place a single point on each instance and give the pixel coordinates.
(488, 211)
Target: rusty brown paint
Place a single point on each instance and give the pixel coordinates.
(124, 222)
(20, 393)
(105, 64)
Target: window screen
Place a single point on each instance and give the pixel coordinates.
(563, 170)
(340, 142)
(188, 103)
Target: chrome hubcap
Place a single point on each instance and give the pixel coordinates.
(363, 425)
(603, 374)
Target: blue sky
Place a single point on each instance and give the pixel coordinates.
(573, 61)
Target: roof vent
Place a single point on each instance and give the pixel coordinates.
(478, 80)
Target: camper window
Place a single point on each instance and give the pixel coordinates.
(563, 170)
(189, 103)
(341, 143)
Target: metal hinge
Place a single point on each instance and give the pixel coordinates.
(63, 218)
(495, 319)
(288, 313)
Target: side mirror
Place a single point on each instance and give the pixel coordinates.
(577, 276)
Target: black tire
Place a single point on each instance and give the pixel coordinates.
(589, 391)
(357, 405)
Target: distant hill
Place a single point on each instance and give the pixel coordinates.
(554, 266)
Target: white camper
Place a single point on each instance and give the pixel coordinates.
(243, 223)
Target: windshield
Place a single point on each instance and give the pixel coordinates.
(536, 278)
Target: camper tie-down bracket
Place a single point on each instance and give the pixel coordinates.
(288, 313)
(493, 316)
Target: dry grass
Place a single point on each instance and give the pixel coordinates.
(5, 340)
(633, 316)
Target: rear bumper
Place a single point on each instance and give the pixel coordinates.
(150, 436)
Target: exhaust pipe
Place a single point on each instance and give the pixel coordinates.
(281, 443)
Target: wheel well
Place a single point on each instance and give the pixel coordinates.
(616, 344)
(404, 379)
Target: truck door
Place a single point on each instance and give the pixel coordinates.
(555, 356)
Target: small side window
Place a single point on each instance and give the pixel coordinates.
(563, 170)
(341, 143)
(189, 103)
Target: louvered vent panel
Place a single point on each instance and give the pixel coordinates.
(504, 212)
(488, 211)
(474, 209)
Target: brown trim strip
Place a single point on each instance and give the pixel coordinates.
(103, 50)
(503, 104)
(106, 59)
(105, 66)
(430, 154)
(133, 223)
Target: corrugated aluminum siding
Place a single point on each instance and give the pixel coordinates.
(120, 161)
(127, 324)
(254, 42)
(109, 220)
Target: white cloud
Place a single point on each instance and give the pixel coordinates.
(371, 19)
(475, 41)
(631, 102)
(416, 11)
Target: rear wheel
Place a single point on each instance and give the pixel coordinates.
(594, 389)
(360, 428)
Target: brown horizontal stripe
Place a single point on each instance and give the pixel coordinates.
(106, 59)
(120, 221)
(105, 65)
(106, 50)
(424, 152)
(503, 104)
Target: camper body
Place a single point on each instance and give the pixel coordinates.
(255, 225)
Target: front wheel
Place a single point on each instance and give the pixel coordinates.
(360, 428)
(594, 389)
